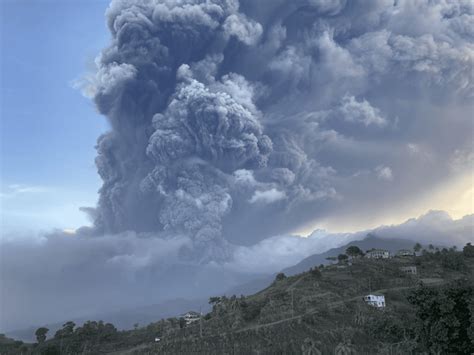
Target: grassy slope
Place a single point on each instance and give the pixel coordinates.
(327, 311)
(307, 311)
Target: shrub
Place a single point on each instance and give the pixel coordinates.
(315, 272)
(280, 276)
(342, 257)
(453, 261)
(251, 310)
(444, 318)
(468, 250)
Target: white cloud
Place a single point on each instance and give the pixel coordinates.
(361, 112)
(267, 196)
(13, 190)
(384, 173)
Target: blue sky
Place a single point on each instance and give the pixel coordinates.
(48, 128)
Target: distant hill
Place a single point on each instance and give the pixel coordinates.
(391, 244)
(371, 241)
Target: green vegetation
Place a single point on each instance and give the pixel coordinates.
(342, 258)
(354, 251)
(280, 277)
(417, 247)
(468, 250)
(41, 334)
(319, 311)
(444, 318)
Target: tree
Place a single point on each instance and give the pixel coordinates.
(51, 349)
(417, 247)
(451, 260)
(214, 300)
(431, 247)
(280, 276)
(468, 250)
(182, 322)
(342, 258)
(41, 334)
(315, 272)
(354, 251)
(67, 329)
(444, 318)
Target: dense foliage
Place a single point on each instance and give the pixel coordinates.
(444, 318)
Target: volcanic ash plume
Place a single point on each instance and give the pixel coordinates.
(234, 121)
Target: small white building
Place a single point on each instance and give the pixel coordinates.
(405, 252)
(191, 317)
(375, 300)
(378, 254)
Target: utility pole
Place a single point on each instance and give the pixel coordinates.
(292, 304)
(200, 321)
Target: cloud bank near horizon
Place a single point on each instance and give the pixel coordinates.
(226, 115)
(78, 276)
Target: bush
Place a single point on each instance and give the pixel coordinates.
(315, 272)
(453, 261)
(50, 349)
(342, 258)
(354, 251)
(468, 250)
(251, 310)
(280, 276)
(444, 318)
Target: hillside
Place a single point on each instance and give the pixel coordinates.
(312, 312)
(126, 318)
(371, 241)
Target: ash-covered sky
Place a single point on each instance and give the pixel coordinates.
(321, 113)
(224, 126)
(227, 115)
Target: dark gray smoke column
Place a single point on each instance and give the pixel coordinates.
(240, 119)
(175, 141)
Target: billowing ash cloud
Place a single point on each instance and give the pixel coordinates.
(235, 120)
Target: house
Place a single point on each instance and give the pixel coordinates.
(409, 270)
(191, 317)
(378, 254)
(377, 301)
(405, 252)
